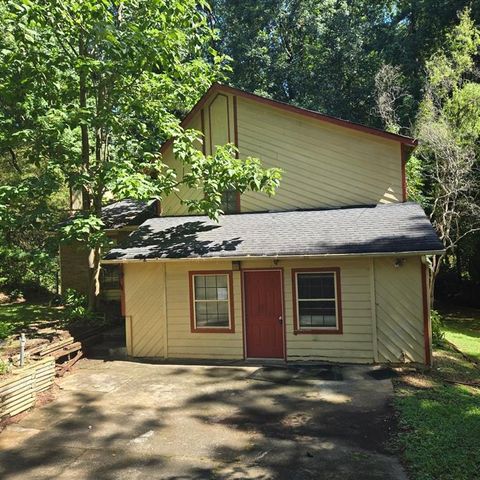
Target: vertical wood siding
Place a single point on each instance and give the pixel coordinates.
(399, 310)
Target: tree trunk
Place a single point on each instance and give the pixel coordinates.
(94, 280)
(85, 155)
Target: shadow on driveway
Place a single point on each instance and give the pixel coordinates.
(126, 420)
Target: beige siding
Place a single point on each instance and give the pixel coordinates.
(399, 310)
(172, 204)
(323, 165)
(355, 344)
(155, 309)
(182, 343)
(144, 309)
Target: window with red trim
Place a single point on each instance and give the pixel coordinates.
(317, 301)
(211, 301)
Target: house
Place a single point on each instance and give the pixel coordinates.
(120, 219)
(332, 268)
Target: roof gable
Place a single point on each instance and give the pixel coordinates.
(285, 107)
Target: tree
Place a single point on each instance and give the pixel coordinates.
(448, 129)
(315, 54)
(102, 84)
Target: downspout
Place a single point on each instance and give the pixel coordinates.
(165, 319)
(373, 306)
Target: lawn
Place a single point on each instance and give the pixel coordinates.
(25, 316)
(439, 417)
(462, 328)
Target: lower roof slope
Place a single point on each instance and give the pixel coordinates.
(382, 229)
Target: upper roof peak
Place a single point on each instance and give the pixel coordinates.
(218, 87)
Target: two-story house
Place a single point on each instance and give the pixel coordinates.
(331, 268)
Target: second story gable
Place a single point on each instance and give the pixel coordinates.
(326, 162)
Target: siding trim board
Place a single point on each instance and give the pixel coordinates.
(210, 119)
(405, 153)
(231, 309)
(297, 330)
(426, 315)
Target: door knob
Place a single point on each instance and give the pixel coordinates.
(280, 320)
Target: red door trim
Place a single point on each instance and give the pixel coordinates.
(244, 316)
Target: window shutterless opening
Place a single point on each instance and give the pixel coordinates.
(211, 302)
(317, 300)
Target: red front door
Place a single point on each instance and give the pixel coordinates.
(263, 313)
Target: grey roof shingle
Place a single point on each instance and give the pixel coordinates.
(392, 228)
(127, 212)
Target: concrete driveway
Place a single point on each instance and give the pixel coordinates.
(125, 420)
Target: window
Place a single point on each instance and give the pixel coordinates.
(211, 305)
(110, 277)
(317, 301)
(230, 201)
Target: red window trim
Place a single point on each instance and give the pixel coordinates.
(193, 327)
(296, 325)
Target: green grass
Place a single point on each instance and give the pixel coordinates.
(28, 316)
(462, 328)
(439, 422)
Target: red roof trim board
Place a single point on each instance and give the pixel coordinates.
(218, 88)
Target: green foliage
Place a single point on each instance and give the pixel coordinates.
(438, 336)
(76, 308)
(415, 179)
(448, 131)
(95, 88)
(5, 330)
(5, 367)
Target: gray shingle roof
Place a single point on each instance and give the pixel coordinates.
(392, 228)
(127, 212)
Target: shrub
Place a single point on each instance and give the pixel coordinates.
(5, 330)
(76, 309)
(5, 367)
(438, 336)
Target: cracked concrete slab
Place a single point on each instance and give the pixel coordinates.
(128, 420)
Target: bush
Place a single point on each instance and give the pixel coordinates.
(438, 336)
(5, 330)
(5, 367)
(76, 309)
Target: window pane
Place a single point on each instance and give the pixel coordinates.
(211, 293)
(200, 293)
(316, 285)
(210, 280)
(211, 300)
(222, 293)
(317, 313)
(229, 201)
